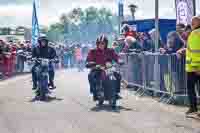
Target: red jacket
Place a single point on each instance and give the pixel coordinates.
(130, 33)
(100, 57)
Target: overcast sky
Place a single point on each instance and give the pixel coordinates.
(19, 12)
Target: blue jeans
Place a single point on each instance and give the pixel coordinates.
(80, 65)
(20, 64)
(35, 76)
(68, 61)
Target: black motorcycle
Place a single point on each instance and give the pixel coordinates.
(106, 84)
(42, 73)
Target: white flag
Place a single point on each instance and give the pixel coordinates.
(184, 11)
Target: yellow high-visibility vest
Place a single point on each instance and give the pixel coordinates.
(193, 52)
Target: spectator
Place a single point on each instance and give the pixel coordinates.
(135, 62)
(73, 47)
(174, 43)
(79, 58)
(128, 31)
(180, 29)
(1, 47)
(28, 46)
(121, 44)
(70, 53)
(7, 60)
(192, 64)
(85, 51)
(66, 57)
(185, 35)
(62, 56)
(147, 45)
(58, 53)
(115, 47)
(13, 57)
(152, 34)
(162, 62)
(146, 42)
(1, 58)
(21, 58)
(131, 43)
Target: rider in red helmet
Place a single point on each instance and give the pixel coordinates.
(102, 55)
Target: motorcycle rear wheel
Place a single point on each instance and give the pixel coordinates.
(113, 103)
(100, 102)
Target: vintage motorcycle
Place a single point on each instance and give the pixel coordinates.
(43, 67)
(105, 84)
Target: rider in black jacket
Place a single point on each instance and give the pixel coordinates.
(43, 51)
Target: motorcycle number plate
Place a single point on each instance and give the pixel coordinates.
(44, 74)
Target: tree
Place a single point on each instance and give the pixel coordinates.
(5, 31)
(55, 32)
(84, 25)
(65, 22)
(105, 18)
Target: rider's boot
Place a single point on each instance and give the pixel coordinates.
(51, 85)
(118, 96)
(114, 107)
(34, 86)
(37, 95)
(95, 97)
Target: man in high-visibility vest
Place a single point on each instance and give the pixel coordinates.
(193, 63)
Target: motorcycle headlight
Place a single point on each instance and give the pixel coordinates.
(45, 62)
(37, 70)
(110, 70)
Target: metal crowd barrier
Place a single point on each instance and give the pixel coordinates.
(155, 74)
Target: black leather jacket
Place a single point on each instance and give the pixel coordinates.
(44, 52)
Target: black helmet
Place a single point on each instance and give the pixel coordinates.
(43, 38)
(125, 28)
(102, 38)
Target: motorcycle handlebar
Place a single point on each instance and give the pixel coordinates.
(40, 59)
(102, 67)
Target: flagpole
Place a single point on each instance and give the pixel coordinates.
(157, 38)
(120, 14)
(194, 7)
(157, 23)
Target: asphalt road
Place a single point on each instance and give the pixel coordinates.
(74, 111)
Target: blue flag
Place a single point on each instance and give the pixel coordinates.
(35, 26)
(120, 1)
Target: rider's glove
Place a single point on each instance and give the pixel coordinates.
(108, 64)
(121, 62)
(98, 66)
(90, 64)
(56, 60)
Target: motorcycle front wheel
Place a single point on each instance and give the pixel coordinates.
(44, 88)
